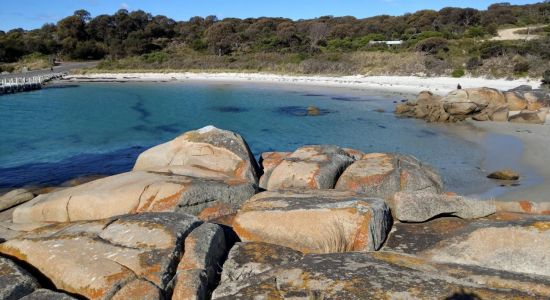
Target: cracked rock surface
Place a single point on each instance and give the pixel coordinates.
(102, 259)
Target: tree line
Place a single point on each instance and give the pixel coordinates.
(126, 33)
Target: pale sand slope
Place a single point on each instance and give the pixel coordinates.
(398, 84)
(536, 153)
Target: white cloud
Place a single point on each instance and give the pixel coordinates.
(124, 5)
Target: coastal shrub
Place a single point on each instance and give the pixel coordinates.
(473, 63)
(521, 67)
(546, 77)
(432, 45)
(458, 73)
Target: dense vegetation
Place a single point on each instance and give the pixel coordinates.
(449, 41)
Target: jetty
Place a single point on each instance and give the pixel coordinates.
(23, 84)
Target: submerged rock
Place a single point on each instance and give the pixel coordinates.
(314, 221)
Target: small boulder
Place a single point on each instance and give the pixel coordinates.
(504, 175)
(381, 175)
(15, 197)
(208, 148)
(313, 111)
(421, 206)
(314, 221)
(310, 167)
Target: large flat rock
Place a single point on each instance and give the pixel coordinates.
(314, 221)
(509, 242)
(208, 148)
(133, 192)
(286, 273)
(102, 258)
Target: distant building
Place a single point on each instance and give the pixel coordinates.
(389, 43)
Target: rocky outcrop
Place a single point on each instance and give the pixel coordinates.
(208, 148)
(480, 104)
(364, 276)
(381, 175)
(14, 197)
(309, 167)
(118, 257)
(15, 282)
(314, 221)
(508, 242)
(422, 206)
(133, 192)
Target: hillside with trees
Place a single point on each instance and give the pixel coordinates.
(451, 41)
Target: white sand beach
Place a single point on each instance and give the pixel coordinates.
(396, 84)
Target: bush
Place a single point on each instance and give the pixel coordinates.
(492, 49)
(473, 63)
(521, 67)
(432, 45)
(546, 77)
(458, 73)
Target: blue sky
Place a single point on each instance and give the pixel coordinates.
(31, 14)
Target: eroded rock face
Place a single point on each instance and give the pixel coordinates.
(124, 256)
(529, 117)
(507, 242)
(15, 282)
(208, 148)
(309, 167)
(15, 197)
(422, 206)
(363, 276)
(382, 175)
(314, 221)
(133, 192)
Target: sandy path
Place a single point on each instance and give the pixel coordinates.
(511, 34)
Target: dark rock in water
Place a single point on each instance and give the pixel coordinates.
(301, 111)
(230, 109)
(504, 175)
(380, 110)
(313, 111)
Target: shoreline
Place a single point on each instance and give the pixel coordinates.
(529, 149)
(411, 85)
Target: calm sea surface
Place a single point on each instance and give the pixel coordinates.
(55, 134)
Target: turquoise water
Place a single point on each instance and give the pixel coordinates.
(56, 134)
